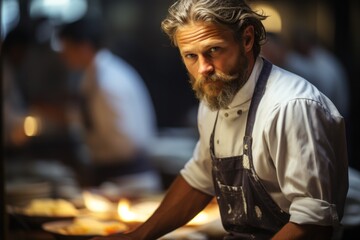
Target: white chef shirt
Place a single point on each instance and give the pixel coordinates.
(299, 147)
(120, 107)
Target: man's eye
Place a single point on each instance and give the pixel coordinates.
(190, 56)
(213, 49)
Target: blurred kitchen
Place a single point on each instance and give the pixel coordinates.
(44, 150)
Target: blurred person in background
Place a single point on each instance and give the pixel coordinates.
(305, 56)
(309, 59)
(13, 52)
(118, 118)
(272, 147)
(34, 151)
(35, 84)
(275, 49)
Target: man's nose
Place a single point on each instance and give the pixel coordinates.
(205, 66)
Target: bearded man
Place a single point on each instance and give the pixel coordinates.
(272, 147)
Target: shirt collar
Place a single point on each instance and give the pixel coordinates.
(245, 93)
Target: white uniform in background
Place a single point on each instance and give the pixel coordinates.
(120, 112)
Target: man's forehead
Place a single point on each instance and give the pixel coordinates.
(200, 31)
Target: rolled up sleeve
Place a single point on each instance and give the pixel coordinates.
(305, 210)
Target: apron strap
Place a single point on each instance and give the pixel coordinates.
(258, 93)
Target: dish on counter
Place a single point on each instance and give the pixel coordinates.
(83, 228)
(42, 210)
(50, 207)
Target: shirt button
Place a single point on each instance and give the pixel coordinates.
(226, 114)
(217, 141)
(239, 112)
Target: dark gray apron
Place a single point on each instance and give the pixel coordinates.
(246, 208)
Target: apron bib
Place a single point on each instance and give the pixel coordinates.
(246, 208)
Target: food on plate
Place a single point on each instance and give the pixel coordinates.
(89, 226)
(50, 207)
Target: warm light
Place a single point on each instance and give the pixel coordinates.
(200, 219)
(273, 22)
(124, 211)
(140, 212)
(97, 203)
(31, 126)
(209, 214)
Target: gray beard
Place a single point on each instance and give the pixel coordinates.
(225, 97)
(232, 84)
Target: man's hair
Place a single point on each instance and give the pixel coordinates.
(235, 14)
(89, 30)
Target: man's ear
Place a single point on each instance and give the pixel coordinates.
(248, 38)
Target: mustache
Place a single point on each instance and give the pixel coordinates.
(215, 77)
(219, 76)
